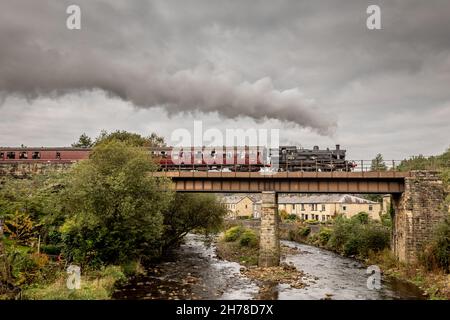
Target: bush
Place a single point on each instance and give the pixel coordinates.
(311, 221)
(248, 239)
(233, 233)
(283, 214)
(304, 231)
(355, 236)
(292, 217)
(324, 236)
(436, 253)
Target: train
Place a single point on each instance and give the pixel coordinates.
(234, 159)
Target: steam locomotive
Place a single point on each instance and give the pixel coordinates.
(233, 159)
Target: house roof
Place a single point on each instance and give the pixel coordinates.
(234, 199)
(323, 198)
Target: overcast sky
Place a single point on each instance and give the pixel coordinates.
(309, 68)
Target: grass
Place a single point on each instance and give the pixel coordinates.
(96, 285)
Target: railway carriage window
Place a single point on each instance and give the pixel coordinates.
(2, 155)
(198, 155)
(23, 155)
(36, 155)
(11, 155)
(58, 155)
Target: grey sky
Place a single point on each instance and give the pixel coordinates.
(309, 68)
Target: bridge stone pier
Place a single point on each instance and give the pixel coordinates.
(269, 247)
(417, 210)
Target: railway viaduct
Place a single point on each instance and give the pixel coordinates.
(418, 198)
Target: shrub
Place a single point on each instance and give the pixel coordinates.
(283, 214)
(233, 233)
(355, 236)
(436, 253)
(304, 231)
(292, 217)
(248, 239)
(324, 236)
(311, 221)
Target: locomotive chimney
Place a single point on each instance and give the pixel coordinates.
(338, 146)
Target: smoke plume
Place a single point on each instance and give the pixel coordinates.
(39, 56)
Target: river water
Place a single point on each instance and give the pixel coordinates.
(195, 272)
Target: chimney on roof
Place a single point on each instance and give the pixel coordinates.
(338, 147)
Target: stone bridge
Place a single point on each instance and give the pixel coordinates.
(418, 198)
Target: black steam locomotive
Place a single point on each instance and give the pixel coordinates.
(292, 158)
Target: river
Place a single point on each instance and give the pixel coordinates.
(195, 272)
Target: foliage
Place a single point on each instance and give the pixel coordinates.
(355, 236)
(439, 162)
(132, 139)
(436, 253)
(361, 217)
(188, 212)
(378, 163)
(248, 238)
(311, 221)
(321, 238)
(292, 217)
(304, 231)
(83, 142)
(21, 228)
(95, 285)
(283, 214)
(233, 233)
(114, 206)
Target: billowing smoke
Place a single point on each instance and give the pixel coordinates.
(39, 56)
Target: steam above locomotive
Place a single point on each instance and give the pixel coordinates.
(234, 159)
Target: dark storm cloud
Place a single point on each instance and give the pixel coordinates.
(42, 57)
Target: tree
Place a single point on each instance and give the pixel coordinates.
(114, 206)
(83, 142)
(130, 138)
(378, 163)
(189, 212)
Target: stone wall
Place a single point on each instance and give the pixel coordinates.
(417, 211)
(269, 247)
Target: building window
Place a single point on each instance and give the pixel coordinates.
(306, 217)
(344, 208)
(370, 207)
(303, 207)
(323, 207)
(246, 206)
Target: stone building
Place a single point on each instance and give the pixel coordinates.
(239, 206)
(323, 207)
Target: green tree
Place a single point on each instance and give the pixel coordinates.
(378, 163)
(130, 138)
(188, 212)
(84, 141)
(114, 206)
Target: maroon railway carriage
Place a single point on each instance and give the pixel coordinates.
(245, 158)
(42, 155)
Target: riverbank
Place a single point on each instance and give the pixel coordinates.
(434, 284)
